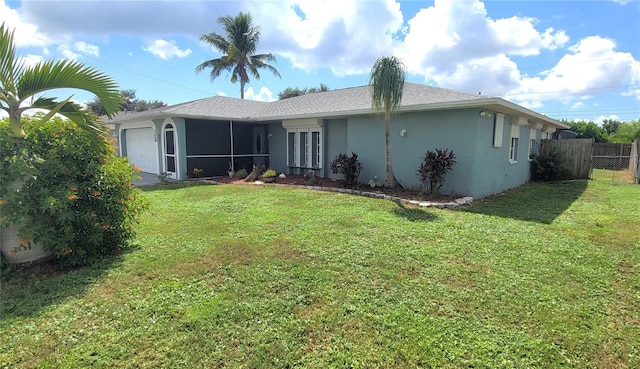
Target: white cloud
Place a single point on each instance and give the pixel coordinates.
(166, 49)
(68, 53)
(265, 94)
(25, 34)
(87, 48)
(449, 34)
(591, 66)
(31, 60)
(601, 118)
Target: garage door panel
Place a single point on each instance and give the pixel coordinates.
(142, 149)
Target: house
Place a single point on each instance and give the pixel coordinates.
(492, 138)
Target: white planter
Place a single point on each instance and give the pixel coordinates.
(10, 246)
(15, 253)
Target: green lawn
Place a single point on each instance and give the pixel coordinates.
(544, 276)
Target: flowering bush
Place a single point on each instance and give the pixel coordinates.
(77, 198)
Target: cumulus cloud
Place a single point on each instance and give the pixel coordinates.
(166, 49)
(591, 66)
(25, 34)
(444, 36)
(264, 94)
(345, 41)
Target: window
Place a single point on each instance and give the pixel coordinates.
(513, 147)
(304, 147)
(513, 150)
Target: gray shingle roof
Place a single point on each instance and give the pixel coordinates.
(334, 103)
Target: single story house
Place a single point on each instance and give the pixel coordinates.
(492, 138)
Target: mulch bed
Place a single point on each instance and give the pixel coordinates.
(298, 180)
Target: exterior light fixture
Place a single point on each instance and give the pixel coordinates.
(485, 114)
(403, 132)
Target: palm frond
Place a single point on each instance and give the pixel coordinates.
(10, 66)
(83, 118)
(70, 74)
(238, 46)
(386, 81)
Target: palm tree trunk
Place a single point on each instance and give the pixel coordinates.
(389, 179)
(241, 89)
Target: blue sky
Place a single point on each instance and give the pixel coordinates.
(566, 59)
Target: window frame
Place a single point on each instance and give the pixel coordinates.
(303, 155)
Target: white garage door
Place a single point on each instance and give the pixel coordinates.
(142, 150)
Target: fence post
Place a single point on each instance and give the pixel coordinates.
(634, 161)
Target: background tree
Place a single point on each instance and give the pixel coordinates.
(626, 132)
(610, 125)
(238, 47)
(386, 81)
(585, 129)
(130, 103)
(20, 86)
(295, 91)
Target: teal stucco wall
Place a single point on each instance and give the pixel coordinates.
(454, 130)
(481, 169)
(277, 147)
(335, 142)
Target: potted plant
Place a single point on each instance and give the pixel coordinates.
(269, 176)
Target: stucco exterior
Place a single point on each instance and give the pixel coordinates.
(308, 132)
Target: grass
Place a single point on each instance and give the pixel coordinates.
(547, 275)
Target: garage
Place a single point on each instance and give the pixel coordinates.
(142, 150)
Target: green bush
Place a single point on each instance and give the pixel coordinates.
(269, 173)
(242, 173)
(77, 199)
(547, 167)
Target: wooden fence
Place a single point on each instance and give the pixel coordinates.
(575, 155)
(634, 160)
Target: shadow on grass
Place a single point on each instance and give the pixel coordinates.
(172, 186)
(413, 214)
(532, 202)
(26, 291)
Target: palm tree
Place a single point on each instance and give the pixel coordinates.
(19, 85)
(386, 81)
(237, 45)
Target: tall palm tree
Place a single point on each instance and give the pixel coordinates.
(237, 45)
(19, 85)
(386, 81)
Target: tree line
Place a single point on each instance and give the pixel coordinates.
(610, 131)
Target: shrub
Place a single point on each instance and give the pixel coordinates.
(269, 173)
(434, 168)
(240, 174)
(77, 199)
(547, 167)
(348, 167)
(195, 173)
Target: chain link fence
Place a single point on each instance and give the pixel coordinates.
(613, 167)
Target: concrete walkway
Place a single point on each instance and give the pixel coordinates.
(148, 179)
